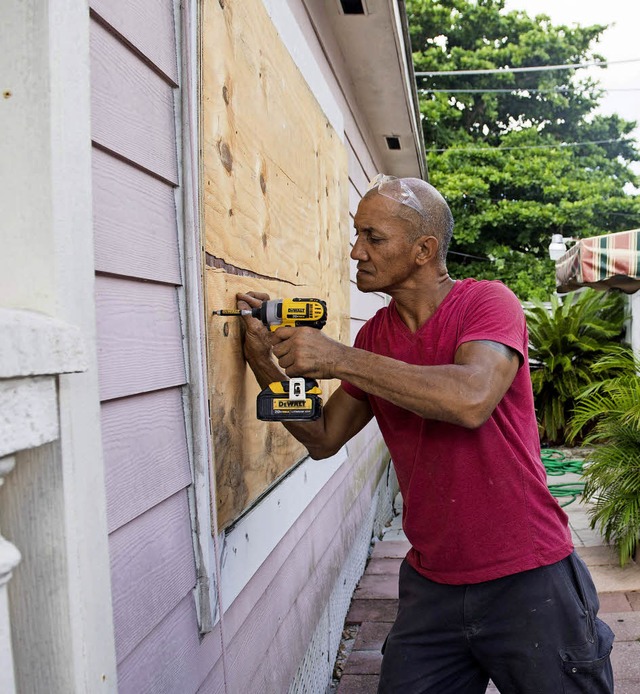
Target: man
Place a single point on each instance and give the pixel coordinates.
(491, 587)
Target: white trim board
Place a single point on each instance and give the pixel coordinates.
(252, 539)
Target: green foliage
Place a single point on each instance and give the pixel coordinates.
(506, 161)
(565, 340)
(612, 476)
(529, 280)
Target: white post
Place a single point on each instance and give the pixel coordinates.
(9, 559)
(53, 504)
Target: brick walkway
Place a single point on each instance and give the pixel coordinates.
(374, 607)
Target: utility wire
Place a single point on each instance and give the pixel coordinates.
(502, 149)
(540, 68)
(558, 90)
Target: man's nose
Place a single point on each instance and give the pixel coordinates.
(358, 252)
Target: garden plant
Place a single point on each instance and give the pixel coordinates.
(611, 407)
(566, 338)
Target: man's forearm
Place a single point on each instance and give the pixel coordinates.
(455, 393)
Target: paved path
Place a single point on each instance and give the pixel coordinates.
(374, 605)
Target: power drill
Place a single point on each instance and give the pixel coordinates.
(297, 399)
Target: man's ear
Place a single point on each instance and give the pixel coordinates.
(427, 249)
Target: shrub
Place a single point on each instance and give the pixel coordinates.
(565, 341)
(612, 475)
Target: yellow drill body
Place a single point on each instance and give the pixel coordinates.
(297, 399)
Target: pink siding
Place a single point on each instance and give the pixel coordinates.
(134, 216)
(152, 569)
(168, 659)
(363, 306)
(139, 337)
(140, 341)
(279, 609)
(357, 175)
(147, 26)
(145, 451)
(132, 108)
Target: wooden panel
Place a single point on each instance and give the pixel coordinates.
(132, 110)
(249, 454)
(148, 25)
(139, 337)
(275, 198)
(276, 207)
(135, 224)
(145, 453)
(152, 570)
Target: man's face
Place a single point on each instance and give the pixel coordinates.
(381, 249)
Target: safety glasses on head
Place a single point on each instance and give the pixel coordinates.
(396, 189)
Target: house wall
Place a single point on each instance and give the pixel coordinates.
(315, 616)
(99, 328)
(285, 614)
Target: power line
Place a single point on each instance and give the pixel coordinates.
(558, 90)
(539, 68)
(502, 149)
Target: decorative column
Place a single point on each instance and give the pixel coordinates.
(9, 559)
(34, 351)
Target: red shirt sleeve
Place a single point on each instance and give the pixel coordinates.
(494, 313)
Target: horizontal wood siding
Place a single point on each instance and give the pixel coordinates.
(170, 658)
(139, 337)
(142, 375)
(132, 107)
(152, 569)
(357, 175)
(147, 26)
(145, 451)
(135, 223)
(140, 343)
(363, 306)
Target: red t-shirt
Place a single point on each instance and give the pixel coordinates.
(475, 501)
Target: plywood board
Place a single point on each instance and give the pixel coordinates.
(249, 455)
(274, 169)
(276, 212)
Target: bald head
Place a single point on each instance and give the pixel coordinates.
(420, 204)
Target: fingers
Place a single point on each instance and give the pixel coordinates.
(297, 350)
(251, 299)
(282, 334)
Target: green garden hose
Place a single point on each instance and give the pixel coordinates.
(556, 463)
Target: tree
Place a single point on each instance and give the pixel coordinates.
(507, 162)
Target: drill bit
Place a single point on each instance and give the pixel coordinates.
(231, 312)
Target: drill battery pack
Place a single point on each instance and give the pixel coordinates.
(275, 404)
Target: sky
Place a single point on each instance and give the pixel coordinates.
(621, 41)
